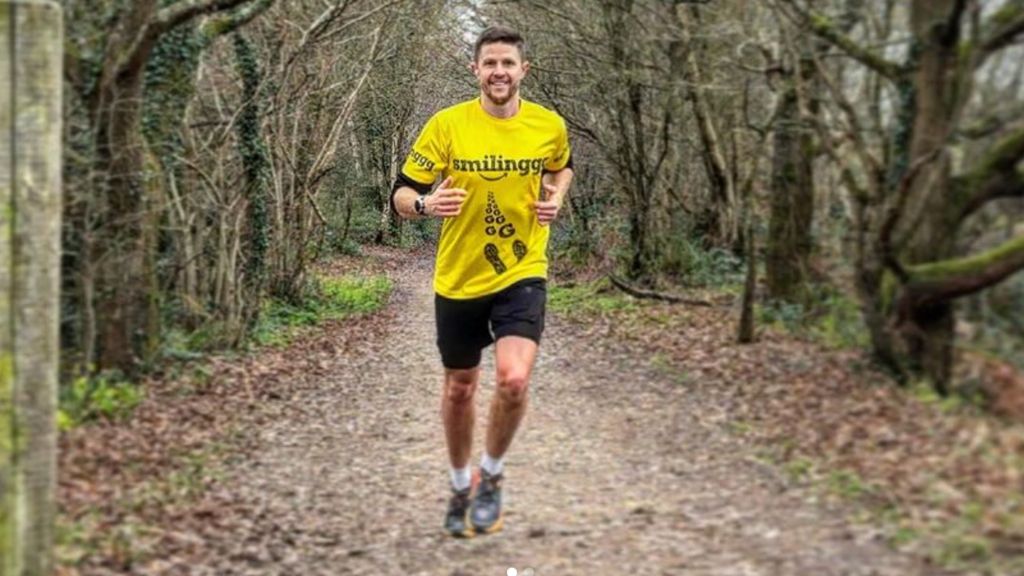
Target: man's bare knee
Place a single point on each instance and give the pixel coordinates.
(460, 387)
(512, 386)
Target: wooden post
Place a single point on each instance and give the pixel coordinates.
(31, 55)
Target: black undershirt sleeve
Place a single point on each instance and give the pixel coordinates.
(403, 180)
(568, 164)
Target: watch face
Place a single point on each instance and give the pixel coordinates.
(420, 207)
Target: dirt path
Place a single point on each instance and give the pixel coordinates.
(618, 470)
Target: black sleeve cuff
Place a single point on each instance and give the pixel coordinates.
(403, 180)
(568, 164)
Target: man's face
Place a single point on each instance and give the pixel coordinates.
(499, 69)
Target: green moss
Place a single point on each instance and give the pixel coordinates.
(1002, 156)
(256, 164)
(6, 402)
(887, 290)
(215, 27)
(7, 487)
(1007, 14)
(967, 266)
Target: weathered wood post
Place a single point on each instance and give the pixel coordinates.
(31, 55)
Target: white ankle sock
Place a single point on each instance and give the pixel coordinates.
(492, 466)
(461, 478)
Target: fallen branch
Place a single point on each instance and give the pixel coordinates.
(651, 295)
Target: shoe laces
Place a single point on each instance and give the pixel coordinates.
(489, 486)
(459, 500)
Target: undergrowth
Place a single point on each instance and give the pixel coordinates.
(831, 318)
(105, 395)
(329, 299)
(588, 297)
(108, 395)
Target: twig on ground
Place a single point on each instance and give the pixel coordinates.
(651, 295)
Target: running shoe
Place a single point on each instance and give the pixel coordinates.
(485, 511)
(456, 521)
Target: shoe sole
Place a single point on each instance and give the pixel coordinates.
(462, 535)
(467, 533)
(496, 527)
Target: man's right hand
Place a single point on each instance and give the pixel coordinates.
(445, 202)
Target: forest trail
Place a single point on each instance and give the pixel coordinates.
(617, 470)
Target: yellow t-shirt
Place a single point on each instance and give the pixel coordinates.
(496, 240)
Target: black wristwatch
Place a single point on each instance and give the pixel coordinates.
(421, 206)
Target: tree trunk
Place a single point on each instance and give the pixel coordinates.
(723, 224)
(128, 287)
(745, 333)
(30, 214)
(792, 200)
(257, 185)
(123, 284)
(928, 334)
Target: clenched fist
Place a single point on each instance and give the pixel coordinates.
(547, 209)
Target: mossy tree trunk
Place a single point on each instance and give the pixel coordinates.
(792, 197)
(30, 213)
(910, 269)
(127, 283)
(257, 178)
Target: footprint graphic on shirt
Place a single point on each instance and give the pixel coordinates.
(491, 253)
(519, 249)
(495, 224)
(494, 220)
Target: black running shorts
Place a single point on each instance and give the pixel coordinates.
(466, 327)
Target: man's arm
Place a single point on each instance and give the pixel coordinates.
(556, 187)
(405, 198)
(445, 202)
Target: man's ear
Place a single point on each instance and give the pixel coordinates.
(472, 67)
(526, 67)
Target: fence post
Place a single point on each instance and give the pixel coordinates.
(31, 59)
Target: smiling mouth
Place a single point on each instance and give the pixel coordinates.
(496, 178)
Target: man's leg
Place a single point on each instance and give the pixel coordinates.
(458, 413)
(462, 332)
(514, 356)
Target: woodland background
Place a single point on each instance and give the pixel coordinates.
(849, 170)
(862, 155)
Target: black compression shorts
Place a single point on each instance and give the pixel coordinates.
(466, 327)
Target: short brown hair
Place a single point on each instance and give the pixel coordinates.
(499, 34)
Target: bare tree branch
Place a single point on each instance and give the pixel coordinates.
(166, 20)
(651, 295)
(1005, 27)
(827, 29)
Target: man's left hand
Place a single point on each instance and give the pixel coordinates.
(547, 209)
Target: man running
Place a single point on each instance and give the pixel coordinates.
(507, 167)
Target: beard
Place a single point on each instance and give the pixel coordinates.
(510, 93)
